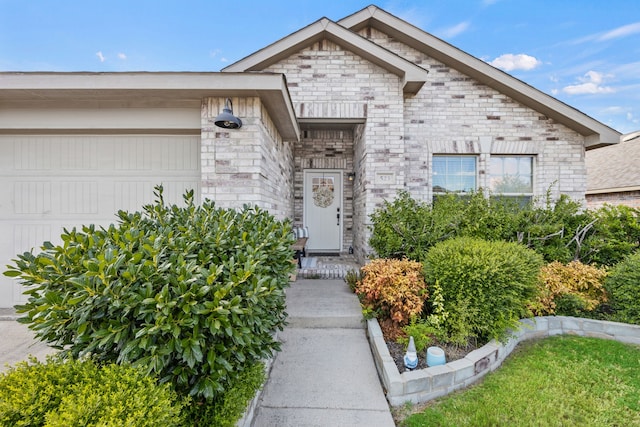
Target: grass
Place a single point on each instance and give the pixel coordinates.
(558, 381)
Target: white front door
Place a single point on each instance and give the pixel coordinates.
(323, 209)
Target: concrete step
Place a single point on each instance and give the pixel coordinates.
(323, 304)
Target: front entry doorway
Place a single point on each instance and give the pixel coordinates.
(323, 211)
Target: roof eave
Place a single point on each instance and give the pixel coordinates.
(48, 89)
(413, 76)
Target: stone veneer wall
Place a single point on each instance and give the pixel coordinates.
(326, 149)
(454, 114)
(427, 384)
(627, 198)
(250, 165)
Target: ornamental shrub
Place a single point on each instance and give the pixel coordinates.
(616, 234)
(406, 228)
(227, 409)
(623, 287)
(495, 281)
(392, 289)
(190, 294)
(61, 393)
(569, 289)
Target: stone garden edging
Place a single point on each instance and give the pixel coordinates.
(426, 384)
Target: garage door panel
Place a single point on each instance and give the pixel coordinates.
(51, 182)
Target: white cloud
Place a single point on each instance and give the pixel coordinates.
(591, 83)
(100, 56)
(122, 56)
(510, 62)
(455, 30)
(624, 31)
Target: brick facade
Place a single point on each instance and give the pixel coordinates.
(627, 198)
(248, 165)
(393, 147)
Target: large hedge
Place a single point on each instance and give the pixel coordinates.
(485, 286)
(559, 230)
(623, 286)
(191, 294)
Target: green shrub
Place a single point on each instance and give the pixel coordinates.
(80, 393)
(406, 228)
(421, 331)
(191, 294)
(490, 284)
(559, 230)
(227, 409)
(616, 234)
(623, 287)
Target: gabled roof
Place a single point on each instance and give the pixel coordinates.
(595, 132)
(413, 76)
(615, 168)
(344, 33)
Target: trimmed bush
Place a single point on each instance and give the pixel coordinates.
(486, 286)
(392, 289)
(570, 290)
(623, 287)
(226, 410)
(80, 393)
(190, 294)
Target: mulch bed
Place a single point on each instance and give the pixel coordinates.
(397, 351)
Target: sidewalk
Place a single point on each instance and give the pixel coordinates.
(324, 375)
(18, 341)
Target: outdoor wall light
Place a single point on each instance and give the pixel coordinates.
(226, 119)
(351, 176)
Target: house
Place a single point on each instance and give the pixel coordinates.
(336, 118)
(613, 173)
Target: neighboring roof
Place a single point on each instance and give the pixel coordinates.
(615, 168)
(146, 89)
(413, 76)
(344, 33)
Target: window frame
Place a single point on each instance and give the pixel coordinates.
(529, 195)
(436, 193)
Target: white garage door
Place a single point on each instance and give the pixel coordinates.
(51, 182)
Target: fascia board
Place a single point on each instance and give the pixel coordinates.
(51, 90)
(413, 76)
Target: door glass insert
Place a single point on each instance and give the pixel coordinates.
(323, 189)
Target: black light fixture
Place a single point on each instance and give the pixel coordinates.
(226, 119)
(351, 176)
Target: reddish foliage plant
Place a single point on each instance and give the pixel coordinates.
(392, 289)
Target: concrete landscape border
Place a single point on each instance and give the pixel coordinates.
(423, 385)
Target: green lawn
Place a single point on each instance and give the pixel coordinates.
(558, 381)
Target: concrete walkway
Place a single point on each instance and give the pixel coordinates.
(18, 341)
(324, 375)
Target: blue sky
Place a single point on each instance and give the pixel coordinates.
(584, 52)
